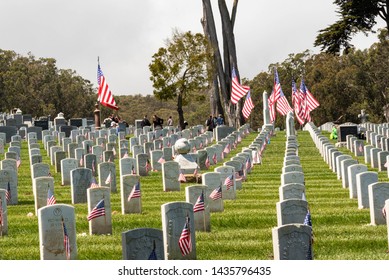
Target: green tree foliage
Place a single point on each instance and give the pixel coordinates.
(179, 70)
(38, 87)
(355, 16)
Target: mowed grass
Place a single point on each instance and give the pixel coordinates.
(242, 232)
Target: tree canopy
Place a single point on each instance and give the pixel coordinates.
(178, 71)
(355, 16)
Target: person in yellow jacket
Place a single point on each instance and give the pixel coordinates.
(334, 133)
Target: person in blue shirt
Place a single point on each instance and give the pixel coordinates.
(220, 120)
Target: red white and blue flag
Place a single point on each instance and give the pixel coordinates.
(185, 242)
(105, 96)
(248, 106)
(50, 197)
(97, 211)
(199, 205)
(135, 192)
(237, 90)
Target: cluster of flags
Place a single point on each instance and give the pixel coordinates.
(302, 100)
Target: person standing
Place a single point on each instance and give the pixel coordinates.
(170, 121)
(220, 120)
(157, 122)
(145, 122)
(209, 123)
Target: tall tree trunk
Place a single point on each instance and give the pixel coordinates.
(180, 111)
(224, 91)
(230, 58)
(215, 103)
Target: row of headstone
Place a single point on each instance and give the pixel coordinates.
(363, 184)
(292, 238)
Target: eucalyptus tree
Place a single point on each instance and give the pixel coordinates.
(179, 70)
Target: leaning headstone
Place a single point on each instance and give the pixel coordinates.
(292, 178)
(364, 179)
(291, 211)
(143, 244)
(378, 193)
(344, 170)
(292, 242)
(213, 182)
(170, 175)
(67, 165)
(9, 182)
(130, 193)
(353, 171)
(80, 181)
(291, 191)
(107, 175)
(227, 177)
(99, 198)
(175, 217)
(143, 164)
(57, 223)
(196, 195)
(42, 186)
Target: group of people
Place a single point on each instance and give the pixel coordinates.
(157, 122)
(214, 121)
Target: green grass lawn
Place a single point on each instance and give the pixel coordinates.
(242, 231)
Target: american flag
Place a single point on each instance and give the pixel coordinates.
(148, 166)
(114, 151)
(97, 211)
(308, 102)
(207, 163)
(18, 162)
(199, 205)
(201, 145)
(105, 96)
(125, 155)
(383, 212)
(303, 197)
(93, 183)
(248, 163)
(216, 193)
(66, 241)
(296, 102)
(307, 219)
(308, 222)
(248, 106)
(229, 182)
(8, 195)
(238, 176)
(108, 180)
(239, 138)
(181, 177)
(214, 158)
(360, 148)
(161, 160)
(195, 172)
(185, 242)
(81, 161)
(135, 192)
(133, 170)
(227, 149)
(93, 167)
(194, 149)
(237, 90)
(283, 106)
(50, 197)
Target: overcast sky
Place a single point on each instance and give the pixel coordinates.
(126, 33)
